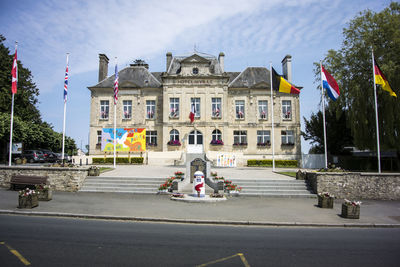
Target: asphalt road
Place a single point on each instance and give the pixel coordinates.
(43, 241)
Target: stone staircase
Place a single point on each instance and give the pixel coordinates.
(274, 188)
(134, 185)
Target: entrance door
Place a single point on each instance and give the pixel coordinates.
(195, 142)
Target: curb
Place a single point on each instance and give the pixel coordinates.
(197, 221)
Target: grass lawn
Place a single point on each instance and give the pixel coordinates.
(291, 174)
(105, 169)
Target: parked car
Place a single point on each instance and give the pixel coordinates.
(66, 157)
(33, 156)
(49, 156)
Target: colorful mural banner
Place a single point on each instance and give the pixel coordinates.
(226, 160)
(128, 140)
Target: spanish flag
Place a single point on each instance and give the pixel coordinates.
(281, 85)
(381, 79)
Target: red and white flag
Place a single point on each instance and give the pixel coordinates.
(116, 84)
(14, 73)
(192, 112)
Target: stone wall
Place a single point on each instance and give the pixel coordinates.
(353, 185)
(60, 179)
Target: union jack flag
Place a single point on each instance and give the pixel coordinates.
(66, 83)
(116, 85)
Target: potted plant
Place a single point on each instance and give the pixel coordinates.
(351, 209)
(233, 189)
(179, 175)
(27, 199)
(174, 143)
(325, 200)
(217, 142)
(44, 192)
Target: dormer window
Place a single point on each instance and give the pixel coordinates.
(195, 71)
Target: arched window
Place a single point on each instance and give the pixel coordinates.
(174, 135)
(216, 135)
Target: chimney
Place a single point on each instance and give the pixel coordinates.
(287, 67)
(103, 67)
(221, 61)
(169, 59)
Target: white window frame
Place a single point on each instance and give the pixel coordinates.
(263, 109)
(99, 137)
(151, 138)
(216, 107)
(150, 109)
(286, 109)
(263, 137)
(240, 137)
(174, 135)
(196, 102)
(127, 109)
(104, 109)
(239, 109)
(287, 137)
(174, 107)
(216, 135)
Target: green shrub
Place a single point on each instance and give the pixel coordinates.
(137, 160)
(268, 163)
(97, 160)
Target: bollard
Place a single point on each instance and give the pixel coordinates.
(80, 162)
(87, 161)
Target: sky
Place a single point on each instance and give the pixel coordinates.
(250, 33)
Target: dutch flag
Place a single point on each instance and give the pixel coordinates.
(329, 83)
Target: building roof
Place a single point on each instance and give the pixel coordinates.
(251, 77)
(135, 76)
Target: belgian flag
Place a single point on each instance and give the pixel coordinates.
(281, 85)
(381, 79)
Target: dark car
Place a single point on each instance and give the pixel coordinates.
(66, 157)
(49, 156)
(33, 156)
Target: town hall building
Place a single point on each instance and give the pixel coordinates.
(232, 110)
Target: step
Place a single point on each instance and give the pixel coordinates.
(279, 195)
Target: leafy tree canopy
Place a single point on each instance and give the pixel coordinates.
(352, 68)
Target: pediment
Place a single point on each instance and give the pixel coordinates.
(195, 59)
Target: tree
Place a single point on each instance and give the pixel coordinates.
(28, 125)
(338, 133)
(352, 68)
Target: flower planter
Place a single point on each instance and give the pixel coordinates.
(234, 193)
(45, 195)
(350, 211)
(28, 202)
(94, 172)
(325, 202)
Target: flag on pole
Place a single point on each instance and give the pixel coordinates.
(329, 83)
(281, 85)
(116, 82)
(192, 112)
(379, 79)
(66, 83)
(14, 73)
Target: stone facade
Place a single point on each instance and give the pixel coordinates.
(60, 179)
(234, 107)
(354, 186)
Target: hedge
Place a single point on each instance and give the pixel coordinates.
(134, 160)
(268, 163)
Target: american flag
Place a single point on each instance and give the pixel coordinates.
(14, 73)
(66, 83)
(116, 85)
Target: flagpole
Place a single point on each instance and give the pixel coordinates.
(12, 112)
(11, 129)
(115, 120)
(376, 115)
(272, 120)
(323, 116)
(65, 112)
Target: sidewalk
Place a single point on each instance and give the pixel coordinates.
(234, 211)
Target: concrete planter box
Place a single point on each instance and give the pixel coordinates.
(45, 195)
(350, 211)
(94, 172)
(28, 202)
(325, 202)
